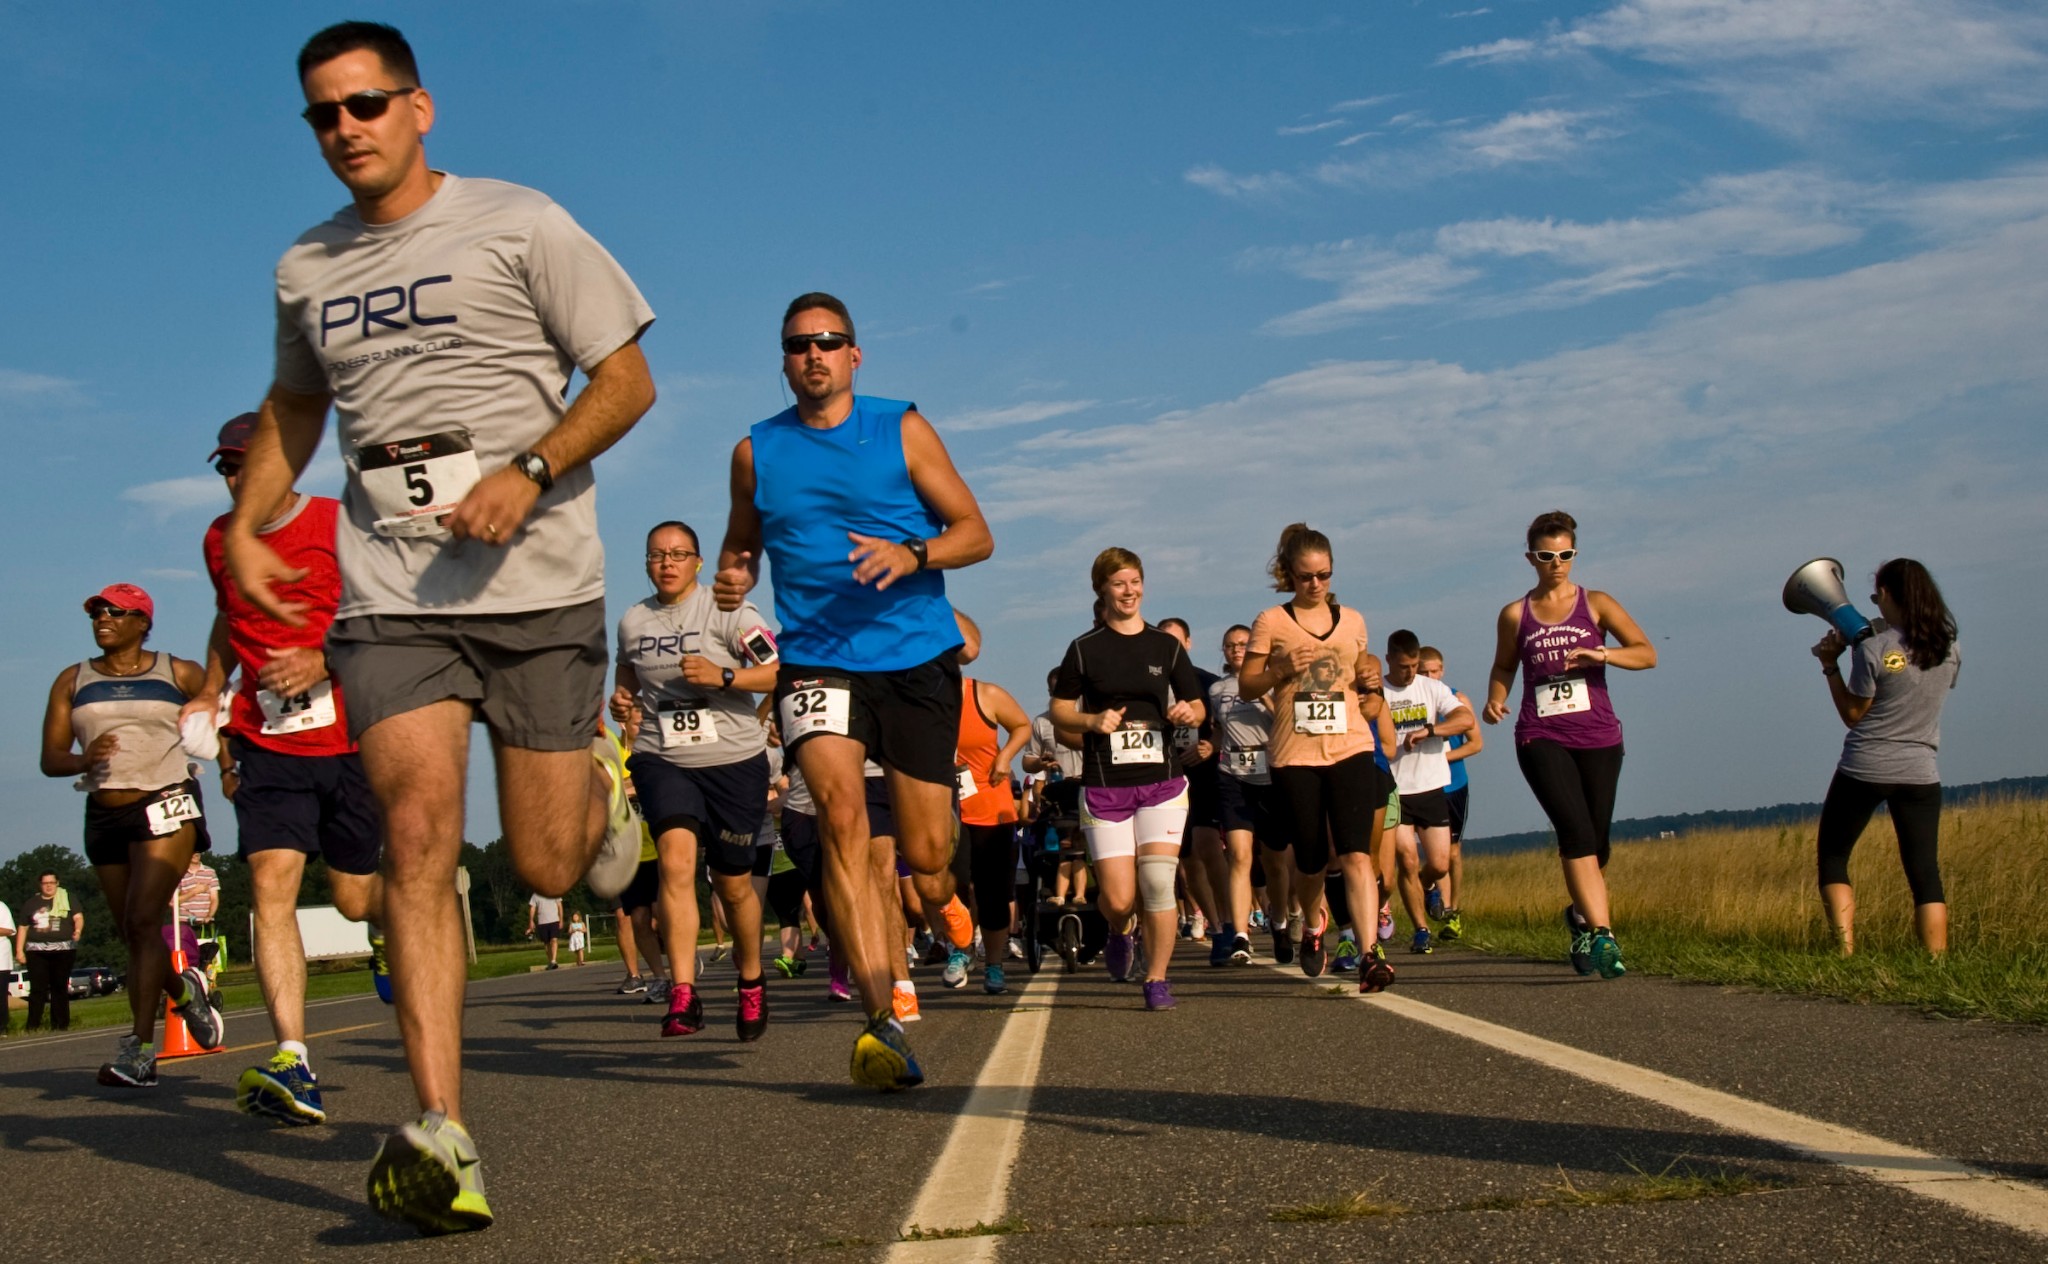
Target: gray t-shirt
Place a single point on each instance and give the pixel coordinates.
(1244, 731)
(1896, 742)
(689, 725)
(459, 324)
(1045, 743)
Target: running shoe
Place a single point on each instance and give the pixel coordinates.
(753, 1015)
(1313, 958)
(959, 923)
(428, 1175)
(1453, 927)
(1347, 954)
(554, 965)
(1420, 945)
(1283, 946)
(201, 1010)
(839, 984)
(133, 1066)
(633, 985)
(658, 991)
(1016, 949)
(1378, 974)
(1187, 928)
(957, 963)
(882, 1057)
(283, 1088)
(618, 856)
(1117, 957)
(380, 969)
(1258, 919)
(791, 966)
(1433, 904)
(992, 980)
(903, 1003)
(1219, 950)
(1386, 926)
(1158, 994)
(1069, 941)
(719, 952)
(685, 1015)
(1199, 929)
(1240, 950)
(1607, 954)
(1582, 940)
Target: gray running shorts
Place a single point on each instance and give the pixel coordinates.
(537, 677)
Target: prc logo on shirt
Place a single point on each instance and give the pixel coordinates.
(1894, 661)
(381, 308)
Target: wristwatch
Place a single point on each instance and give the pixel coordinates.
(728, 677)
(916, 547)
(535, 467)
(1429, 730)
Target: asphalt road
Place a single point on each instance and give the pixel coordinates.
(1218, 1130)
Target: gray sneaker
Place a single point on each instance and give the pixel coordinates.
(633, 986)
(657, 992)
(201, 1010)
(132, 1067)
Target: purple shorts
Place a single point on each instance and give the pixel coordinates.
(1117, 820)
(1114, 804)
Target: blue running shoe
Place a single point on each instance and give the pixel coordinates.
(1219, 949)
(992, 981)
(429, 1176)
(380, 968)
(1433, 904)
(955, 973)
(882, 1057)
(1117, 956)
(283, 1088)
(1607, 954)
(1420, 945)
(1347, 955)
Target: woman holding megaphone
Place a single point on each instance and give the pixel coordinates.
(1891, 700)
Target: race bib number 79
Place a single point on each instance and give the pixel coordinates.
(1562, 695)
(820, 705)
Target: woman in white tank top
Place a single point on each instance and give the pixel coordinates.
(143, 817)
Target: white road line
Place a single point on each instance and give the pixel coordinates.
(2015, 1204)
(969, 1183)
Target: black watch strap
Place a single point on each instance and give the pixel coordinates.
(917, 550)
(728, 676)
(535, 467)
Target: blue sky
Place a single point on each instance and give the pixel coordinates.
(1737, 283)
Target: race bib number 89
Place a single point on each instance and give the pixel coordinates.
(414, 483)
(822, 705)
(1562, 695)
(687, 724)
(1321, 712)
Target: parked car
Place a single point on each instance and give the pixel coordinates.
(99, 981)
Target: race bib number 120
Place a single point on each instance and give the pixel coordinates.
(821, 705)
(414, 483)
(1136, 746)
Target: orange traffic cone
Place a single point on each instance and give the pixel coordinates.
(177, 1041)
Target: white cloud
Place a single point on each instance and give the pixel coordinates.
(1225, 184)
(1522, 138)
(1014, 414)
(1498, 50)
(1368, 279)
(180, 495)
(22, 388)
(1532, 136)
(1306, 128)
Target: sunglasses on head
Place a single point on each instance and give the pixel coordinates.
(797, 344)
(1554, 555)
(362, 106)
(112, 611)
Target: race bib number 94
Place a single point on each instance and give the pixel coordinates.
(1246, 762)
(821, 705)
(1136, 746)
(1562, 695)
(414, 483)
(313, 709)
(166, 815)
(1321, 712)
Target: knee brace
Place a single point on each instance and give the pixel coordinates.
(1155, 883)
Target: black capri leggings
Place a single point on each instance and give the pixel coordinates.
(1576, 788)
(993, 856)
(1330, 806)
(1916, 818)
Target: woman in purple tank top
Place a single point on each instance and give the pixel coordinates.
(1567, 739)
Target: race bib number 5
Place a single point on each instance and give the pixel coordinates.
(313, 709)
(820, 705)
(1321, 712)
(166, 815)
(1135, 745)
(686, 723)
(1562, 695)
(414, 483)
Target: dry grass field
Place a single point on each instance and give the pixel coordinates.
(1743, 906)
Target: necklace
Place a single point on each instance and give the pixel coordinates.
(137, 670)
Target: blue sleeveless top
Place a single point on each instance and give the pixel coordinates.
(813, 486)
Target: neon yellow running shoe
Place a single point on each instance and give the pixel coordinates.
(429, 1176)
(882, 1057)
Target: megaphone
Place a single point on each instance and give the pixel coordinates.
(1816, 588)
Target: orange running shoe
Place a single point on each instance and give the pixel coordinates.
(959, 924)
(904, 1000)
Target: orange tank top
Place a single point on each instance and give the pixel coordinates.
(982, 801)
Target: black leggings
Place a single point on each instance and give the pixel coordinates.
(993, 855)
(49, 983)
(1916, 818)
(1576, 788)
(1331, 806)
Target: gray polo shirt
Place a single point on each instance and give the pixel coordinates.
(1899, 735)
(447, 340)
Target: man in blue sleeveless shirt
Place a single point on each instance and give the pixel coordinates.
(858, 507)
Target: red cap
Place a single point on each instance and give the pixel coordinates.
(126, 597)
(234, 437)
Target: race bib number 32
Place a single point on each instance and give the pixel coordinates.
(1321, 713)
(822, 705)
(414, 483)
(1562, 695)
(313, 709)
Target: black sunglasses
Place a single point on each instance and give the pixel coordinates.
(112, 611)
(227, 469)
(797, 344)
(363, 106)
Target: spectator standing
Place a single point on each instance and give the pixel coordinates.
(544, 918)
(197, 900)
(6, 970)
(47, 942)
(579, 936)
